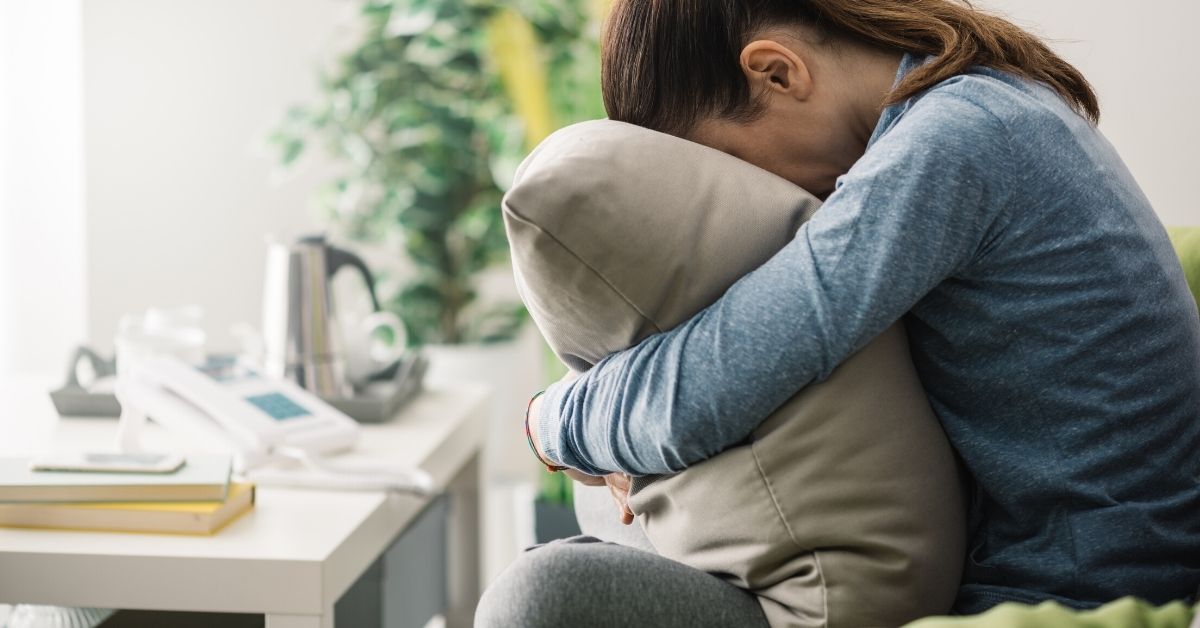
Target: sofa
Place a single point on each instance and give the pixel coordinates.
(1187, 246)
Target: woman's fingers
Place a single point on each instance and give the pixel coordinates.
(618, 486)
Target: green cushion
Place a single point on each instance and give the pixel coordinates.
(1123, 613)
(1187, 245)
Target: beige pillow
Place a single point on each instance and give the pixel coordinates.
(846, 508)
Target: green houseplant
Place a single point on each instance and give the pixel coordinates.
(428, 116)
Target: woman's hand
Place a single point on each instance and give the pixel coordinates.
(618, 486)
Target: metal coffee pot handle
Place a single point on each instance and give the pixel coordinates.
(336, 259)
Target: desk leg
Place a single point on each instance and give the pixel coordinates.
(300, 621)
(463, 538)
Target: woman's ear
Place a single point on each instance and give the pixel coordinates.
(773, 68)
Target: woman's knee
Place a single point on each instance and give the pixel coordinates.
(537, 590)
(585, 583)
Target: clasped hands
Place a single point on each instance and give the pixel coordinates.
(618, 487)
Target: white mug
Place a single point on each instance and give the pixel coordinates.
(365, 351)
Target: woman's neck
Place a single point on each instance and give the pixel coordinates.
(874, 73)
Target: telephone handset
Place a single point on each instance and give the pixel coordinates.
(264, 418)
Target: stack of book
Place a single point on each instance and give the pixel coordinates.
(198, 498)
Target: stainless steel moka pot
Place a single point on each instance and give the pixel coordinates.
(301, 337)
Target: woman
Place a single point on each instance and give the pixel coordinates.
(969, 191)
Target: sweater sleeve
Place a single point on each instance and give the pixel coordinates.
(916, 209)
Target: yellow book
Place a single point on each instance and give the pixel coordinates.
(154, 517)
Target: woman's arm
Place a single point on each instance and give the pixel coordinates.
(918, 207)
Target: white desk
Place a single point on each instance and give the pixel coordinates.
(289, 559)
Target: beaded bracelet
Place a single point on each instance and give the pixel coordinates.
(550, 468)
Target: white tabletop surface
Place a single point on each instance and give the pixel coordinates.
(296, 552)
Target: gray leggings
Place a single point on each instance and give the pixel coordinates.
(583, 582)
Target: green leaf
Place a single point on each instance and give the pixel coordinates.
(292, 150)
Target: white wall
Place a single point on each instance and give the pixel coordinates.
(180, 187)
(42, 298)
(1141, 57)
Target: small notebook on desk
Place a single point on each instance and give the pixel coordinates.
(204, 517)
(201, 478)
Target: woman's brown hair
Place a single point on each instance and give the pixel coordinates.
(667, 64)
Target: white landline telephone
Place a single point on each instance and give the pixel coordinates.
(265, 420)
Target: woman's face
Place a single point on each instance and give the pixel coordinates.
(819, 106)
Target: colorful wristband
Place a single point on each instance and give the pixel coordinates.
(550, 468)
